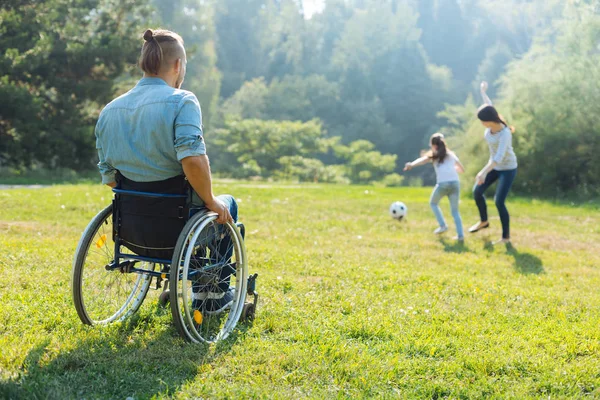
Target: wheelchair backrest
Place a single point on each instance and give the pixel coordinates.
(149, 216)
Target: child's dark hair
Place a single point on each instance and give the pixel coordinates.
(487, 113)
(437, 139)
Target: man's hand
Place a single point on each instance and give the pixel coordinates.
(407, 166)
(216, 206)
(197, 171)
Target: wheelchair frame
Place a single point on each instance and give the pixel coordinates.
(118, 243)
(186, 323)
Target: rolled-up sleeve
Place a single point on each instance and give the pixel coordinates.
(503, 142)
(107, 171)
(188, 128)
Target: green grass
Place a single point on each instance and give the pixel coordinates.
(42, 176)
(353, 304)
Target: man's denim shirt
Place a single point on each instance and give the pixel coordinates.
(146, 132)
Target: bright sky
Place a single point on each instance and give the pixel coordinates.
(312, 6)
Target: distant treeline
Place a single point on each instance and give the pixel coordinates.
(367, 80)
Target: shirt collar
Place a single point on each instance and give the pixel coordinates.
(151, 81)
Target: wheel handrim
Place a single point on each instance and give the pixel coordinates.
(212, 328)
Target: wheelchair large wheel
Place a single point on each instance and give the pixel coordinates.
(208, 259)
(103, 295)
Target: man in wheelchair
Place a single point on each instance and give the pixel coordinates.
(150, 140)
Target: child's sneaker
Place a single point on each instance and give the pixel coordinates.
(440, 230)
(479, 226)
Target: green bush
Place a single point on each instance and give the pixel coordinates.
(392, 180)
(363, 164)
(296, 150)
(244, 148)
(300, 168)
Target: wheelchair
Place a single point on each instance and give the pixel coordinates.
(145, 235)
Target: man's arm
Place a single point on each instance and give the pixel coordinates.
(106, 170)
(197, 171)
(191, 152)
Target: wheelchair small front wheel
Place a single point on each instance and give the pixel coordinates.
(164, 298)
(208, 279)
(103, 295)
(249, 312)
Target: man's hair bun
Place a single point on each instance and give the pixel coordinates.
(148, 35)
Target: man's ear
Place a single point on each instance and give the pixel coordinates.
(177, 66)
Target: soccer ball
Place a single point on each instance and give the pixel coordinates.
(398, 210)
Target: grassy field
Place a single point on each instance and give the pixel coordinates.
(353, 304)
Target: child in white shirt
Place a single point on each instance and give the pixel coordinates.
(446, 165)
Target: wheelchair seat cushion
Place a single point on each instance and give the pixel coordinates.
(150, 226)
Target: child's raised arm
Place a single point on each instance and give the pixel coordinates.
(419, 161)
(483, 89)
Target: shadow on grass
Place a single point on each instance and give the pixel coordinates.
(488, 245)
(455, 246)
(525, 263)
(116, 363)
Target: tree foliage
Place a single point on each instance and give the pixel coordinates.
(194, 21)
(253, 147)
(384, 71)
(550, 96)
(60, 61)
(296, 150)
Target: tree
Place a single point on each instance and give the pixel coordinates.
(193, 20)
(239, 54)
(550, 96)
(447, 37)
(492, 67)
(379, 61)
(60, 61)
(291, 98)
(323, 31)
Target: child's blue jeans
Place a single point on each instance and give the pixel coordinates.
(505, 180)
(452, 190)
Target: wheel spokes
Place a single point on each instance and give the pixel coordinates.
(211, 267)
(109, 295)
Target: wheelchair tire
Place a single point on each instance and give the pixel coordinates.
(104, 296)
(198, 262)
